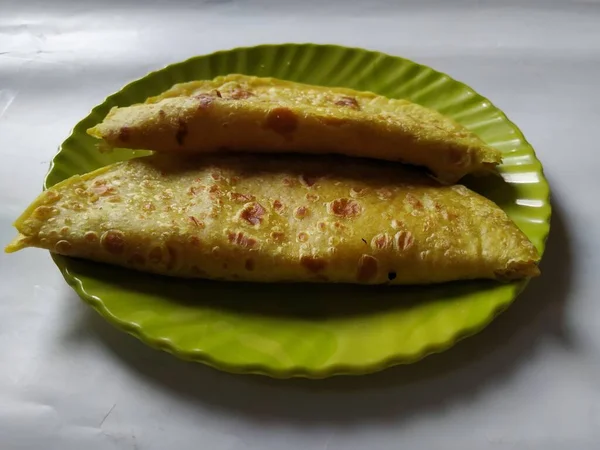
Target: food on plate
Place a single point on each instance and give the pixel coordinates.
(245, 113)
(286, 218)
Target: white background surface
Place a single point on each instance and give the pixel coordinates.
(69, 381)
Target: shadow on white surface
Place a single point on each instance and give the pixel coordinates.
(435, 383)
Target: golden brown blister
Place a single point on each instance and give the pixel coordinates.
(244, 113)
(286, 218)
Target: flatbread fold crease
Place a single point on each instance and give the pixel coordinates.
(245, 113)
(284, 218)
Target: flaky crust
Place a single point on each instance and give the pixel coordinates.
(283, 218)
(238, 112)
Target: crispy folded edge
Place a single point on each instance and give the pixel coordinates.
(22, 241)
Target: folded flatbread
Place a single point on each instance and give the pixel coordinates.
(286, 218)
(244, 113)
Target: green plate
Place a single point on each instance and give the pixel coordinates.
(310, 330)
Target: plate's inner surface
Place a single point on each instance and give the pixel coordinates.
(313, 330)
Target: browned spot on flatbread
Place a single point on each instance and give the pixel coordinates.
(347, 101)
(197, 223)
(240, 198)
(414, 201)
(381, 241)
(253, 213)
(282, 121)
(241, 239)
(344, 207)
(277, 235)
(367, 268)
(301, 212)
(278, 206)
(403, 240)
(302, 236)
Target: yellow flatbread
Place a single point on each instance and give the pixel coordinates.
(286, 218)
(244, 113)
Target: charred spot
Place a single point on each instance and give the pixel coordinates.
(161, 113)
(312, 263)
(182, 131)
(347, 101)
(365, 241)
(367, 268)
(344, 207)
(113, 242)
(124, 134)
(391, 276)
(218, 93)
(253, 213)
(250, 264)
(282, 121)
